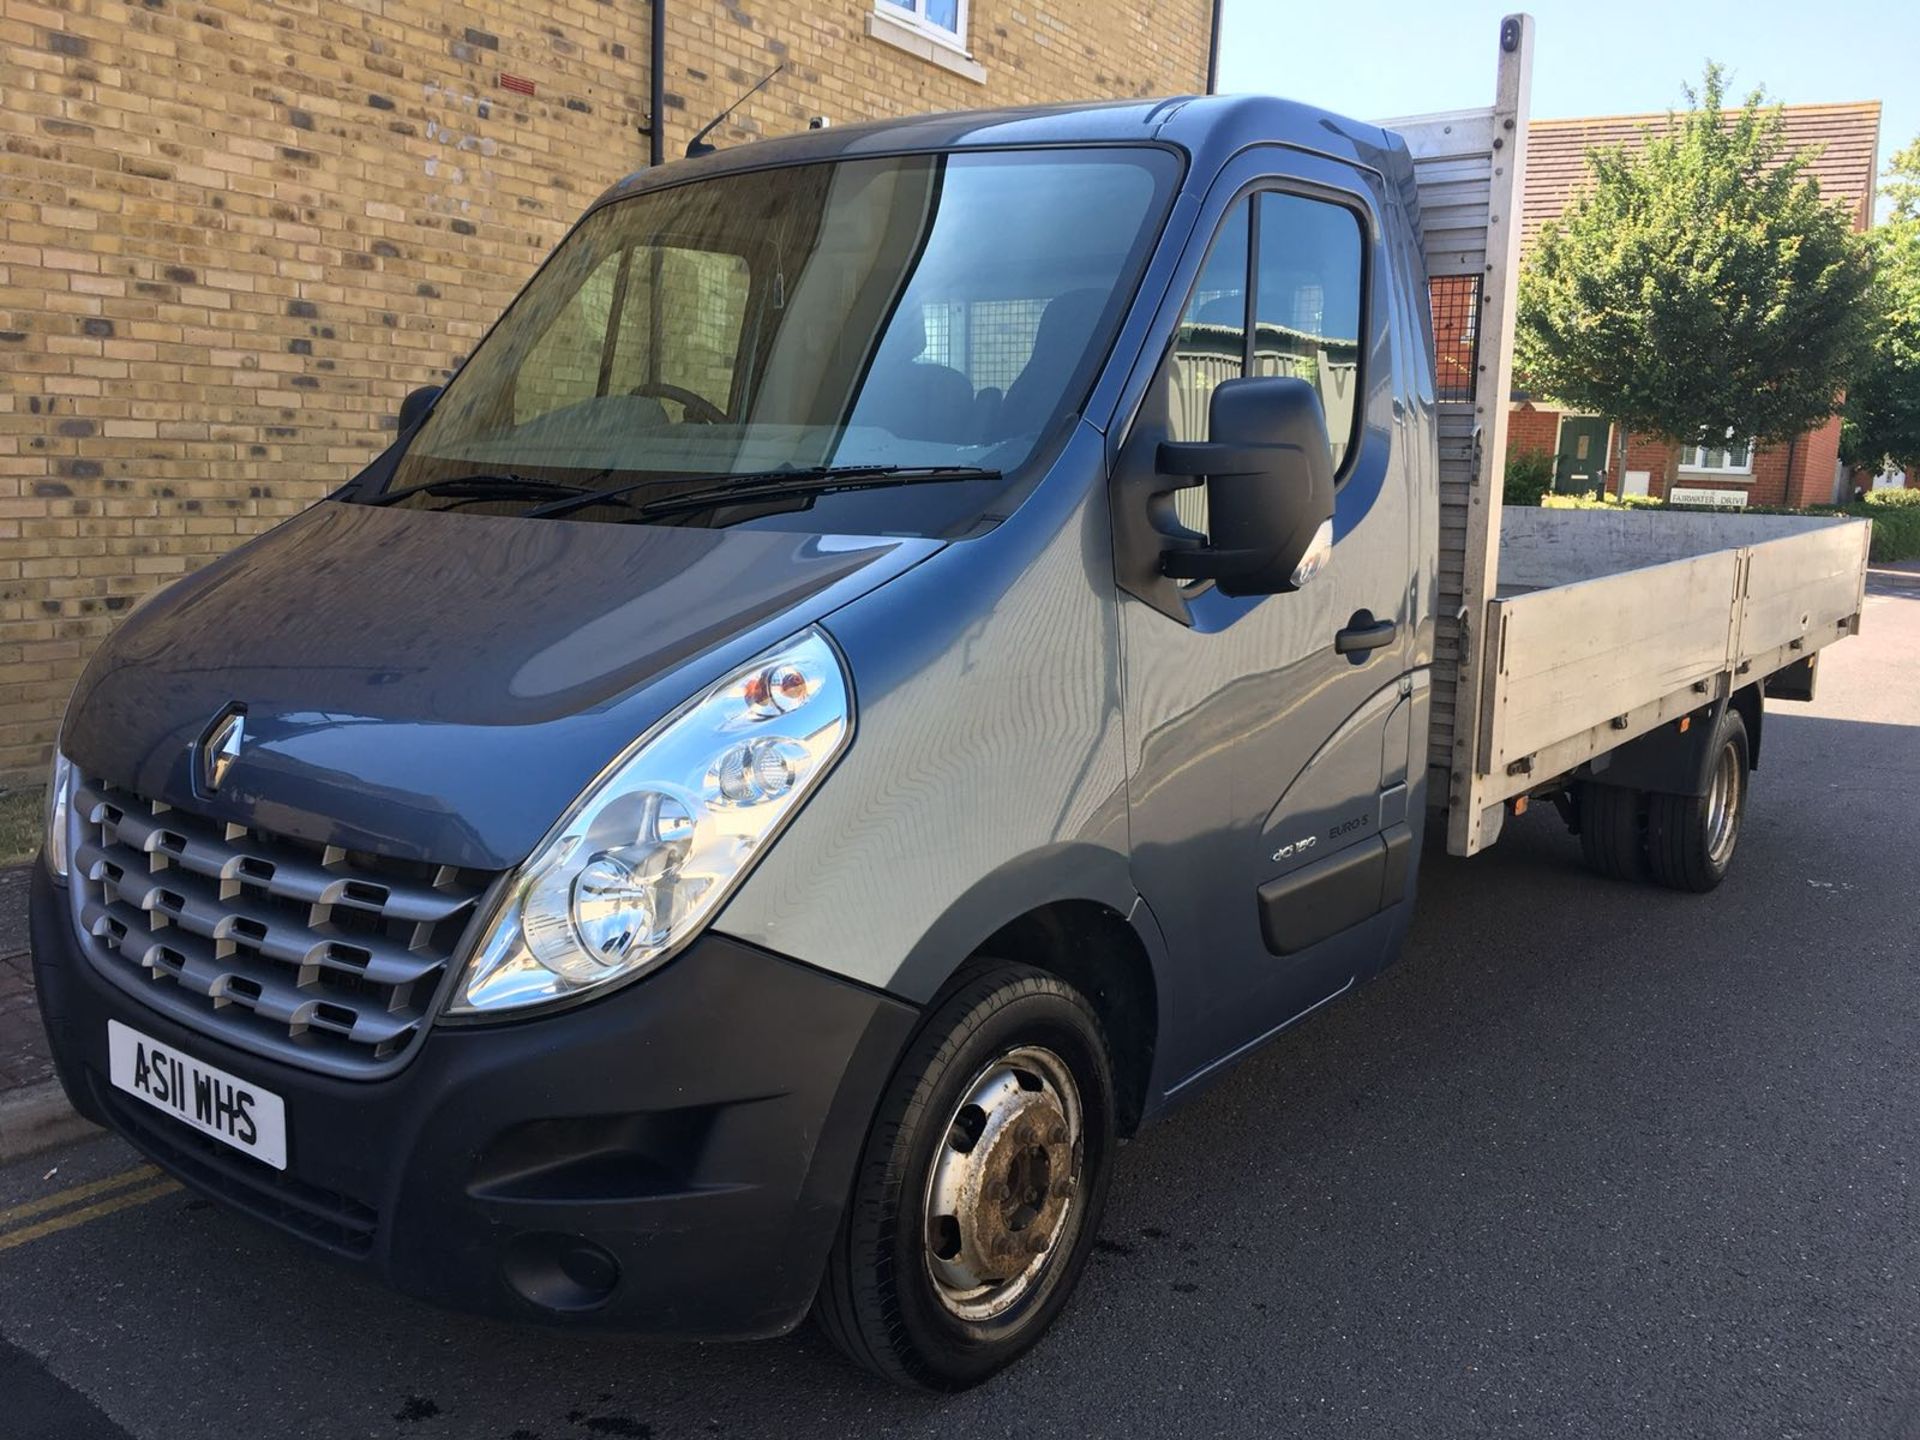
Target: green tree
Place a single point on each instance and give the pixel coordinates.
(1903, 182)
(1881, 424)
(1701, 286)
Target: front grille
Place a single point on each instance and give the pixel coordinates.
(322, 957)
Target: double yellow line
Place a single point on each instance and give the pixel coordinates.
(94, 1200)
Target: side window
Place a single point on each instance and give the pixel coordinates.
(1307, 303)
(1302, 292)
(1209, 348)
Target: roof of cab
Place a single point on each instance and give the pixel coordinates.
(1208, 127)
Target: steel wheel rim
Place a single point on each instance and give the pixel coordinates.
(1723, 806)
(1004, 1184)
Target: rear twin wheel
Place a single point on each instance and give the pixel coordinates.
(1686, 842)
(1691, 838)
(1613, 830)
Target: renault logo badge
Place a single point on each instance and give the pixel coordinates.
(221, 748)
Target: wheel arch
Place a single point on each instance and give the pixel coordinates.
(1095, 949)
(1674, 760)
(1070, 911)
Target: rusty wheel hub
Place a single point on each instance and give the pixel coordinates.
(1004, 1183)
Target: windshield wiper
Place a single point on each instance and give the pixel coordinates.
(740, 487)
(488, 487)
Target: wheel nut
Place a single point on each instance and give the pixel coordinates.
(1036, 1244)
(1057, 1135)
(997, 1190)
(1002, 1247)
(1062, 1189)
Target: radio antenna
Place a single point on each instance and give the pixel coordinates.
(698, 145)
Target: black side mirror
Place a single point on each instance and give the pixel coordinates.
(414, 408)
(1269, 475)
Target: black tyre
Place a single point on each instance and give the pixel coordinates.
(1612, 830)
(980, 1189)
(1691, 838)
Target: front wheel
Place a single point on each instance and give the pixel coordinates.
(1691, 838)
(980, 1189)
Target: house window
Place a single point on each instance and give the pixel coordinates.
(1726, 457)
(942, 19)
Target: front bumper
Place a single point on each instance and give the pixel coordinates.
(671, 1159)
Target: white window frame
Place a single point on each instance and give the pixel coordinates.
(914, 13)
(1693, 462)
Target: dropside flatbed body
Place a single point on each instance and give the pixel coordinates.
(1563, 634)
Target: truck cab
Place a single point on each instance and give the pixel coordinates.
(904, 651)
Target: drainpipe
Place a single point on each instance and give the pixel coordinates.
(657, 84)
(1213, 50)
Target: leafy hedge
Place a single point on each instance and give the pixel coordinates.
(1591, 501)
(1894, 499)
(1896, 521)
(1896, 528)
(1529, 477)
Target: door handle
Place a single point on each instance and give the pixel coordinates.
(1364, 633)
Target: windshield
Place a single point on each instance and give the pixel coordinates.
(919, 312)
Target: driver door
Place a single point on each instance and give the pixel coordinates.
(1267, 751)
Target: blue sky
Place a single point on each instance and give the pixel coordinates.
(1400, 57)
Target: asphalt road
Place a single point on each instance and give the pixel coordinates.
(1594, 1159)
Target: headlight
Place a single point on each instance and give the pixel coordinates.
(59, 796)
(647, 854)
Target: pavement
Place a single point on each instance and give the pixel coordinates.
(24, 1060)
(34, 1114)
(1594, 1160)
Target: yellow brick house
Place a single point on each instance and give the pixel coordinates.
(233, 233)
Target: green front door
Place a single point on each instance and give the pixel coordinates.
(1580, 467)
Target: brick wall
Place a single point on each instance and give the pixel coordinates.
(1816, 460)
(1530, 431)
(233, 233)
(1769, 483)
(1657, 457)
(1799, 474)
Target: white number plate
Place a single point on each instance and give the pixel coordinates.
(213, 1102)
